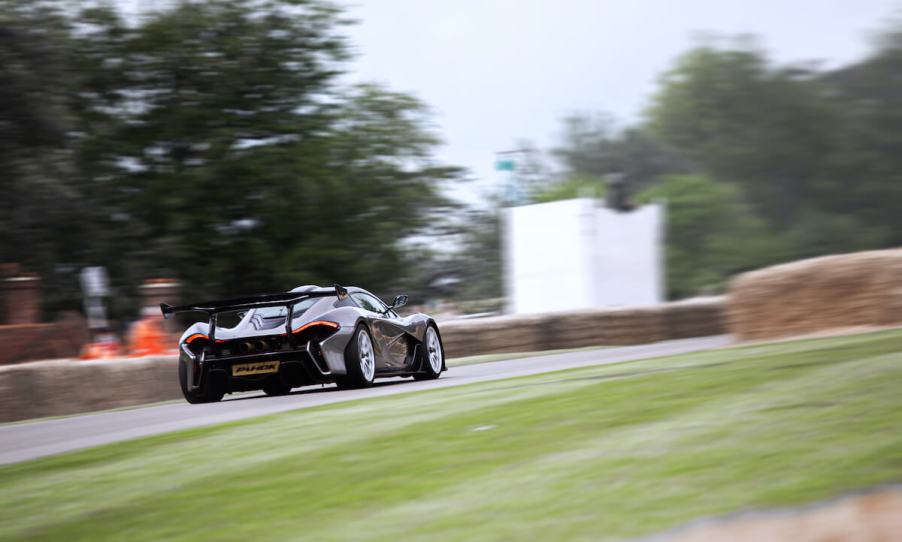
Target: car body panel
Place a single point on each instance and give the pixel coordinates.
(397, 340)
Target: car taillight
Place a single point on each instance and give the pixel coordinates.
(324, 323)
(197, 337)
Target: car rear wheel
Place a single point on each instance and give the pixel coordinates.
(433, 355)
(200, 395)
(360, 360)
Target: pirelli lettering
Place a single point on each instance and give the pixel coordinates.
(260, 367)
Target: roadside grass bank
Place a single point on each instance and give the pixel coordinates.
(606, 452)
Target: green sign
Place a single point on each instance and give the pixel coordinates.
(505, 165)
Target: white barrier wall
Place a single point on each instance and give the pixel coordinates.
(577, 254)
(629, 252)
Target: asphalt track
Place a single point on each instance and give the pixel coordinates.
(22, 441)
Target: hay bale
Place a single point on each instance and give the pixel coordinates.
(502, 334)
(62, 387)
(808, 296)
(698, 317)
(581, 328)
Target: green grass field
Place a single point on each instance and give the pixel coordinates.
(599, 453)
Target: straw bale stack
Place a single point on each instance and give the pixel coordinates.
(575, 329)
(862, 289)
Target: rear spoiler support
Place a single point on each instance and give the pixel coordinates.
(212, 308)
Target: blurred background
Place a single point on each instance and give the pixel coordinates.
(250, 146)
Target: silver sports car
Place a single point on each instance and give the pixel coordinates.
(310, 335)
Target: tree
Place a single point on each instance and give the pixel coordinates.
(771, 131)
(569, 188)
(711, 234)
(199, 120)
(593, 147)
(812, 152)
(480, 256)
(868, 98)
(214, 142)
(39, 207)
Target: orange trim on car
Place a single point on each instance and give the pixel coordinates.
(196, 336)
(326, 323)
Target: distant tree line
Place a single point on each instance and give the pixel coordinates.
(759, 163)
(213, 142)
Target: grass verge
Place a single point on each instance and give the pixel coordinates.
(599, 453)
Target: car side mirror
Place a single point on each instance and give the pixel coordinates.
(399, 301)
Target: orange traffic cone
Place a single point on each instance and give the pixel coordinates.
(104, 346)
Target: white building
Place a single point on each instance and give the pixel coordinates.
(578, 254)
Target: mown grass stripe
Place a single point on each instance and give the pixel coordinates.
(567, 470)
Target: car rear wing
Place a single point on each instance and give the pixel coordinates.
(288, 300)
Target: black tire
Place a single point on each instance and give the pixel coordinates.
(428, 370)
(275, 386)
(343, 383)
(359, 374)
(196, 396)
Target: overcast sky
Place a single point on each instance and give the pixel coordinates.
(495, 71)
(498, 71)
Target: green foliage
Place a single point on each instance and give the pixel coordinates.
(868, 99)
(594, 148)
(740, 120)
(575, 187)
(711, 234)
(798, 142)
(212, 142)
(39, 196)
(480, 265)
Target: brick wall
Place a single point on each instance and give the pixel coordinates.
(29, 342)
(20, 300)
